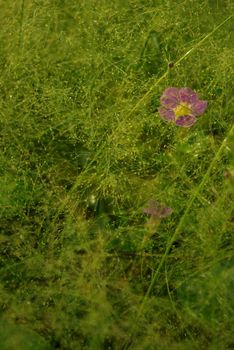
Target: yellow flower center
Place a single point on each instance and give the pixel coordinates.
(182, 109)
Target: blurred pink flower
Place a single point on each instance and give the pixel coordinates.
(156, 210)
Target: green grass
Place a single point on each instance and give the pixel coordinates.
(84, 149)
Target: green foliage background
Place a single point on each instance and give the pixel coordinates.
(84, 149)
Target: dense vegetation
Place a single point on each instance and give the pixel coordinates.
(84, 150)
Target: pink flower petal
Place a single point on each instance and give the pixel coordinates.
(199, 107)
(170, 97)
(169, 102)
(171, 92)
(187, 95)
(167, 114)
(186, 121)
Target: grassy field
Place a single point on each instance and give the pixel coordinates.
(83, 150)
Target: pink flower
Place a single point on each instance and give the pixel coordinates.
(156, 210)
(181, 106)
